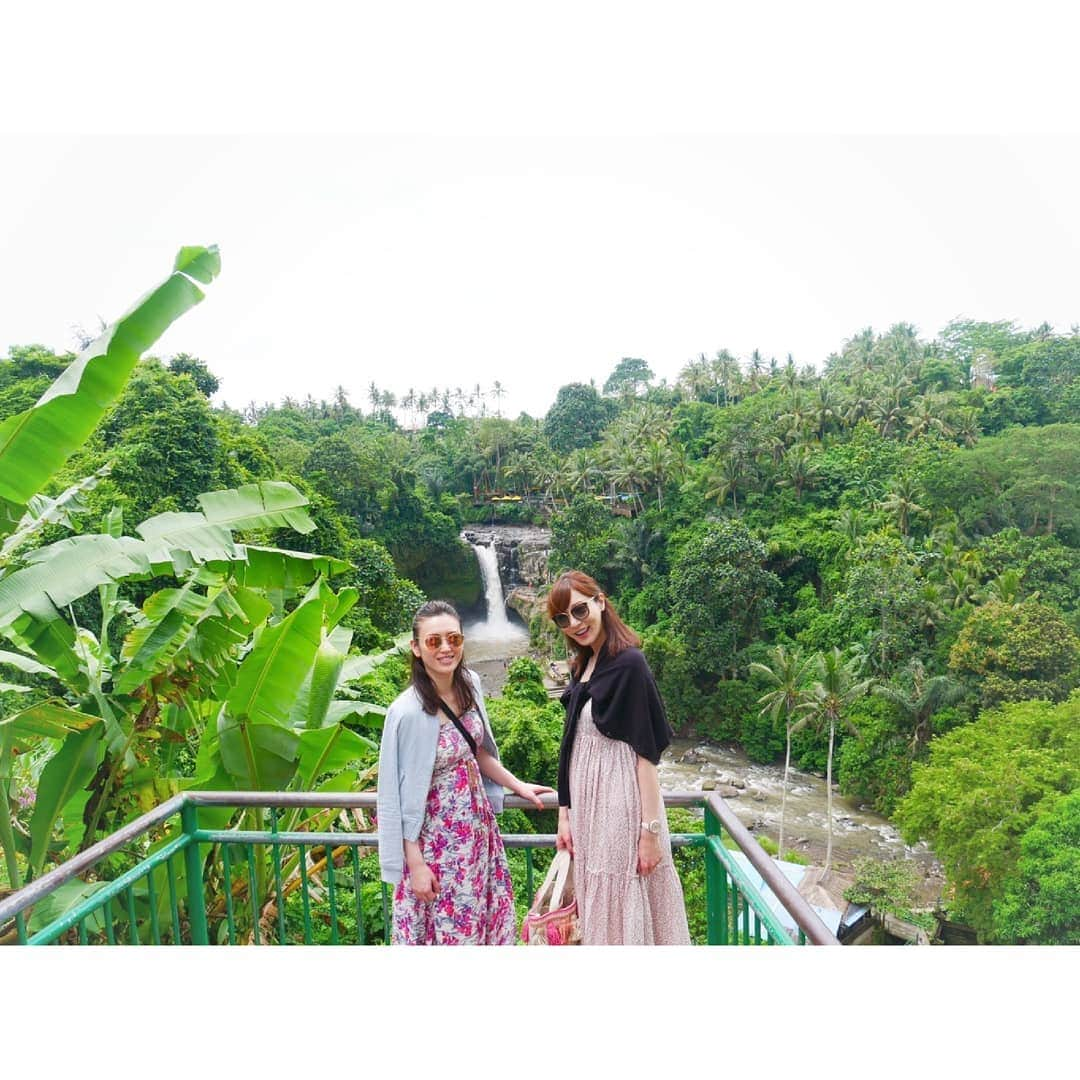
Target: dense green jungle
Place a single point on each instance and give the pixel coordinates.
(869, 567)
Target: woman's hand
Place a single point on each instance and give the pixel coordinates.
(563, 839)
(648, 853)
(532, 792)
(423, 882)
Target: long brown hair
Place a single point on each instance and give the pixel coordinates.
(618, 636)
(421, 680)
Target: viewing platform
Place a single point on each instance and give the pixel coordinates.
(287, 868)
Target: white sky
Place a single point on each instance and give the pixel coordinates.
(536, 261)
(481, 194)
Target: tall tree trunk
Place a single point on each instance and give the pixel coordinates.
(828, 797)
(783, 790)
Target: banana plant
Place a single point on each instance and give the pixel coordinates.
(36, 443)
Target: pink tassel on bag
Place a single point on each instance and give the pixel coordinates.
(548, 925)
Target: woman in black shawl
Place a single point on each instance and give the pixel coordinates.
(611, 814)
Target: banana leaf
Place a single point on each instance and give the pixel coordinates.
(50, 719)
(24, 663)
(42, 511)
(52, 641)
(356, 667)
(277, 568)
(181, 541)
(258, 756)
(269, 678)
(36, 443)
(61, 900)
(329, 750)
(164, 625)
(60, 573)
(269, 504)
(65, 775)
(320, 685)
(358, 712)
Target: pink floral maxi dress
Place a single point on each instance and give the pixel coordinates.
(461, 844)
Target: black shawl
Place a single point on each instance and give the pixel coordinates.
(626, 706)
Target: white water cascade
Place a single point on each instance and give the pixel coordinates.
(496, 635)
(497, 622)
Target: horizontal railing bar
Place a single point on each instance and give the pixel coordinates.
(366, 800)
(310, 839)
(806, 918)
(346, 839)
(111, 889)
(547, 840)
(30, 894)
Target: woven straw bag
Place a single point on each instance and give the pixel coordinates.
(553, 916)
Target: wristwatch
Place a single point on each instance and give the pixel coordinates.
(651, 826)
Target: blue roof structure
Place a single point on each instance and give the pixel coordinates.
(830, 916)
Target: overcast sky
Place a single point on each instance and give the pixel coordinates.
(535, 261)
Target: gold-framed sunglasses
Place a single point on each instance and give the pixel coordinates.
(453, 639)
(579, 611)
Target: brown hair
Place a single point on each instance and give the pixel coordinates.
(421, 680)
(618, 636)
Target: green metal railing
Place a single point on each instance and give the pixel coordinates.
(291, 868)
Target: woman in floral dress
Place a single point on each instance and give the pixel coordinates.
(440, 786)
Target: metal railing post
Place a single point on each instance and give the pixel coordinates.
(189, 818)
(715, 886)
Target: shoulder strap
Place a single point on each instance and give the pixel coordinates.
(459, 725)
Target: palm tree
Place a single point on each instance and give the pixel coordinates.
(726, 376)
(798, 418)
(926, 697)
(787, 675)
(800, 469)
(636, 549)
(967, 429)
(658, 465)
(849, 523)
(860, 405)
(924, 418)
(696, 378)
(961, 586)
(825, 410)
(901, 503)
(724, 479)
(932, 608)
(1005, 588)
(580, 472)
(889, 414)
(832, 694)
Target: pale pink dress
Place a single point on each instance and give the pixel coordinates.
(616, 905)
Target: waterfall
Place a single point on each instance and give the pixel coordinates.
(497, 622)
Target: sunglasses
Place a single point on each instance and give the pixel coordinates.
(454, 640)
(579, 611)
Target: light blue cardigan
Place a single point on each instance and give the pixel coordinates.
(406, 762)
